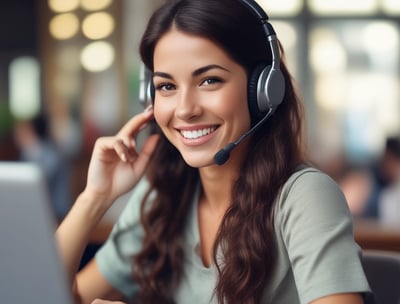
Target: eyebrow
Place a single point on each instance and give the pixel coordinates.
(207, 68)
(195, 73)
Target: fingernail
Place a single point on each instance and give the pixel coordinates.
(149, 108)
(143, 126)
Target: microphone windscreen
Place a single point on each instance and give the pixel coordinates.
(223, 155)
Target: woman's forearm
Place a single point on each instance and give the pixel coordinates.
(74, 232)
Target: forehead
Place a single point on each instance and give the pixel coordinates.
(177, 48)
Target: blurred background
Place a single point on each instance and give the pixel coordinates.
(69, 72)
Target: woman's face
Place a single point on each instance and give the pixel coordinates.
(201, 97)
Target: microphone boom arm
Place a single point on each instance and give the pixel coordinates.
(223, 155)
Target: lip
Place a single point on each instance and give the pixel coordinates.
(208, 132)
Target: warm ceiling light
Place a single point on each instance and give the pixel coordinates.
(94, 5)
(97, 56)
(98, 25)
(62, 6)
(64, 26)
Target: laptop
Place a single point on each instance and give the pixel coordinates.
(30, 266)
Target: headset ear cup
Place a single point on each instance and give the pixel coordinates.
(152, 92)
(146, 87)
(252, 92)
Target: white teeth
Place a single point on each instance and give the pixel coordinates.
(197, 133)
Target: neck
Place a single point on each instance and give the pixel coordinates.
(217, 181)
(217, 186)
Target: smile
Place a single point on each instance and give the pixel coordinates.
(194, 134)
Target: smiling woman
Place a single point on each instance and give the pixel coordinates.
(261, 226)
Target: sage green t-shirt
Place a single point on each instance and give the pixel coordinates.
(316, 252)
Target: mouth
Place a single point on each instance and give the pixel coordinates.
(195, 134)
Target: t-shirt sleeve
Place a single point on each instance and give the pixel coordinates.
(316, 227)
(114, 258)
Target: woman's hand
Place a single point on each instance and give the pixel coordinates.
(116, 165)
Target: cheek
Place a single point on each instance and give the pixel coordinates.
(238, 105)
(158, 118)
(161, 114)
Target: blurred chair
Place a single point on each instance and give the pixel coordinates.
(382, 269)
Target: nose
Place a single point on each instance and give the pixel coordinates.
(188, 105)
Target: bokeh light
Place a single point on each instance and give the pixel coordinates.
(64, 26)
(98, 25)
(93, 5)
(24, 87)
(63, 6)
(97, 56)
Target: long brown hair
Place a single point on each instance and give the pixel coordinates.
(275, 152)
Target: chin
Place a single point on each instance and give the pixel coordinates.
(198, 162)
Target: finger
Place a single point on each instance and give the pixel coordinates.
(133, 125)
(104, 145)
(124, 152)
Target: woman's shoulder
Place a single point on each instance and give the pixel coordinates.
(313, 189)
(308, 178)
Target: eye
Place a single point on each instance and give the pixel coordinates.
(211, 81)
(165, 87)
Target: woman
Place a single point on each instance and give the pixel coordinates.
(260, 228)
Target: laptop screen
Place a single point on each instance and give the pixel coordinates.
(30, 266)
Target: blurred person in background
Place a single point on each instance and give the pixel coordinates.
(373, 191)
(358, 186)
(35, 145)
(389, 196)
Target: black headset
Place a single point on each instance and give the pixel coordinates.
(266, 85)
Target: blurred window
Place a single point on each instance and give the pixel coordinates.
(282, 7)
(24, 87)
(345, 56)
(343, 7)
(356, 78)
(391, 7)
